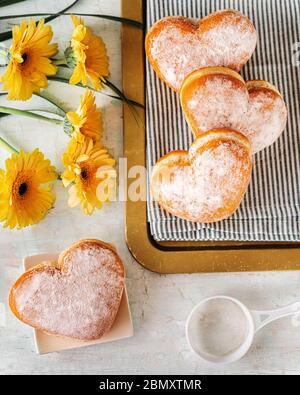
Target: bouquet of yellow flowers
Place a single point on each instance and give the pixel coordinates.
(26, 183)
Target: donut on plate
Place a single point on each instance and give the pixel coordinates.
(77, 297)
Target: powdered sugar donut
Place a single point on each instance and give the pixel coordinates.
(176, 46)
(214, 97)
(219, 97)
(207, 183)
(77, 297)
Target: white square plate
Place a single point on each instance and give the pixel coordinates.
(44, 343)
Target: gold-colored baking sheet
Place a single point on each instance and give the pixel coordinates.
(179, 257)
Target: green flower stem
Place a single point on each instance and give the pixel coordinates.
(4, 144)
(65, 81)
(126, 21)
(121, 98)
(59, 62)
(41, 97)
(52, 102)
(8, 35)
(28, 114)
(4, 3)
(131, 107)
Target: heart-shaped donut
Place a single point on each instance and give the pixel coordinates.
(218, 97)
(176, 46)
(77, 297)
(207, 183)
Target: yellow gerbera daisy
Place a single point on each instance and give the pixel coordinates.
(90, 168)
(87, 55)
(87, 120)
(30, 60)
(25, 192)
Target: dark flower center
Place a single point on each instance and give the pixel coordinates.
(84, 174)
(24, 57)
(23, 189)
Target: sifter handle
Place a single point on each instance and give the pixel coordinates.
(262, 318)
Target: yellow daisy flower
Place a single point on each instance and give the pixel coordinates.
(30, 62)
(25, 192)
(86, 121)
(90, 170)
(87, 55)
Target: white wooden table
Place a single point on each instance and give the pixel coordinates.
(159, 304)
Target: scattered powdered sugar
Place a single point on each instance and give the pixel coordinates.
(219, 327)
(215, 180)
(217, 103)
(178, 52)
(81, 301)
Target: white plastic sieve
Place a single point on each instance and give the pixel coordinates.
(205, 317)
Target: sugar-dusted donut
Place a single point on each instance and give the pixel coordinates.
(216, 97)
(176, 46)
(77, 297)
(207, 183)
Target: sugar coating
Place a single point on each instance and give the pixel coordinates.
(231, 42)
(212, 183)
(81, 301)
(218, 103)
(179, 52)
(261, 115)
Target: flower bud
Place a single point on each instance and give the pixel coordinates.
(68, 127)
(70, 58)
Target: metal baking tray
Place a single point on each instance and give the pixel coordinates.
(179, 257)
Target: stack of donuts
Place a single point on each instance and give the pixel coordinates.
(231, 119)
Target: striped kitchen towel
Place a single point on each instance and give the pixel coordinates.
(271, 208)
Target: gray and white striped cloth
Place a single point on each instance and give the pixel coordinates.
(271, 208)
